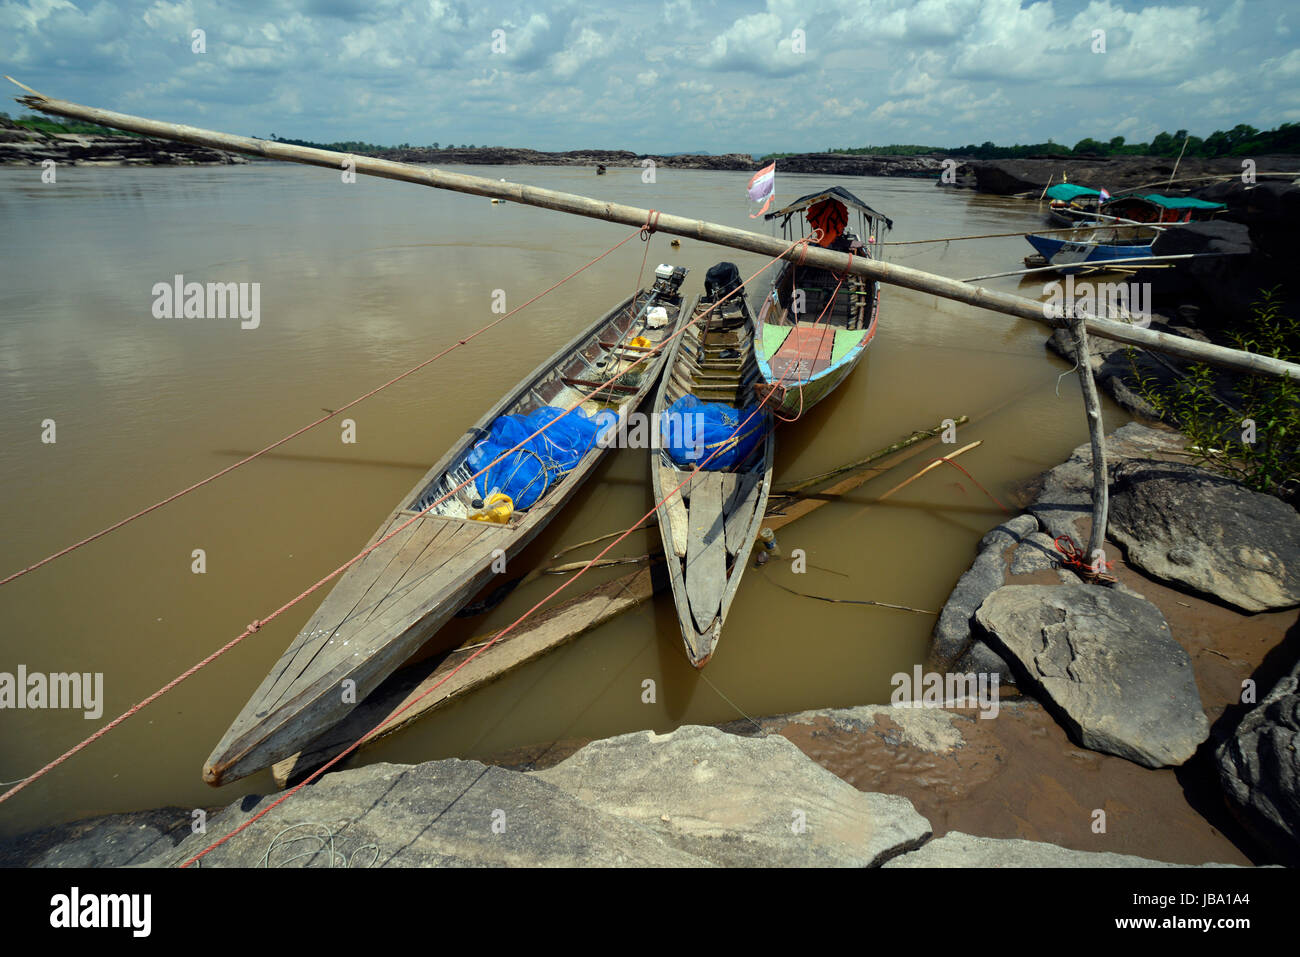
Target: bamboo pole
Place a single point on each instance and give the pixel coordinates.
(1101, 264)
(873, 269)
(1096, 435)
(1186, 139)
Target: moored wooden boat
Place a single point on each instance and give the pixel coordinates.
(709, 525)
(391, 602)
(813, 328)
(1091, 247)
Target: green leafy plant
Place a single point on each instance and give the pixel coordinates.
(1246, 427)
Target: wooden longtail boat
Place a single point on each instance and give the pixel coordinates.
(710, 524)
(391, 602)
(813, 329)
(1091, 247)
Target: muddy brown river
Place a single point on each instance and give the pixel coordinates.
(359, 282)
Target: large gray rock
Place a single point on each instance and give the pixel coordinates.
(956, 849)
(955, 647)
(1063, 505)
(439, 814)
(695, 797)
(1105, 663)
(111, 840)
(734, 801)
(1260, 768)
(1187, 526)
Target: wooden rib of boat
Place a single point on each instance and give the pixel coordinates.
(813, 329)
(710, 524)
(391, 602)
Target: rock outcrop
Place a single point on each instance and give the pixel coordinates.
(1025, 545)
(1259, 766)
(956, 849)
(695, 797)
(1008, 177)
(741, 802)
(1184, 525)
(1105, 663)
(20, 146)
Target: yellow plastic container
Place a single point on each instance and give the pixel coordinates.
(497, 509)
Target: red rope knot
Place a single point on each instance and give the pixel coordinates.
(651, 226)
(1072, 556)
(255, 626)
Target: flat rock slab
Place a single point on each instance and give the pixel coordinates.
(111, 840)
(954, 646)
(1187, 526)
(1063, 504)
(1105, 664)
(739, 801)
(1260, 768)
(448, 813)
(956, 849)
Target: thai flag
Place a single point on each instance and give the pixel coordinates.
(762, 187)
(1102, 196)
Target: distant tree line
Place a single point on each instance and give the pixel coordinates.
(31, 121)
(1241, 140)
(360, 148)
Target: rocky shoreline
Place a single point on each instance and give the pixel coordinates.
(20, 146)
(1122, 705)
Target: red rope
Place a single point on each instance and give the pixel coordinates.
(1072, 556)
(505, 631)
(975, 480)
(257, 624)
(306, 428)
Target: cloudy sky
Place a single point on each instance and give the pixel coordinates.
(670, 75)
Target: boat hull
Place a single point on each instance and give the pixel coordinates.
(801, 363)
(1069, 255)
(709, 520)
(424, 566)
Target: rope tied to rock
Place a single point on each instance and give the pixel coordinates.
(1073, 557)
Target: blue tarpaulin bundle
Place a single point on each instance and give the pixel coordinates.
(692, 430)
(526, 473)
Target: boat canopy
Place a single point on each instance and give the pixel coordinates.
(1181, 202)
(838, 193)
(1066, 192)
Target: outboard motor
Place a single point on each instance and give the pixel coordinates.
(720, 280)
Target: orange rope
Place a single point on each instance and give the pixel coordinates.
(501, 634)
(258, 623)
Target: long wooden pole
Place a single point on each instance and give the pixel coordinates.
(1097, 439)
(873, 269)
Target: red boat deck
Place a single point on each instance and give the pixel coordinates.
(805, 352)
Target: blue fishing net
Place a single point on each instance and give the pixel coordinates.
(526, 473)
(692, 430)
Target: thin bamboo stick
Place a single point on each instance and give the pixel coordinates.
(904, 276)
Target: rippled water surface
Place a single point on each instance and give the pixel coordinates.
(359, 282)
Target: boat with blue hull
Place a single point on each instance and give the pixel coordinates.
(1070, 255)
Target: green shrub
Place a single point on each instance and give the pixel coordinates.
(1221, 435)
